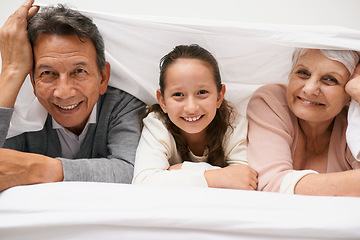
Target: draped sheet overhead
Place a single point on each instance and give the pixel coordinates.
(249, 55)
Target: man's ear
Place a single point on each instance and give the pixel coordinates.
(221, 95)
(161, 100)
(105, 76)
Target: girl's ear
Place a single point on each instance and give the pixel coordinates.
(221, 95)
(161, 100)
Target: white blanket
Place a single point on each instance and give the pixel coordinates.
(86, 211)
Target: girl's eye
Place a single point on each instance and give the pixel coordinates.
(330, 80)
(178, 94)
(201, 92)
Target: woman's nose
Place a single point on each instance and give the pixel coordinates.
(312, 86)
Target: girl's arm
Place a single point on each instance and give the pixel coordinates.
(235, 177)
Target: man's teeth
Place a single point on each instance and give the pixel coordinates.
(191, 119)
(68, 107)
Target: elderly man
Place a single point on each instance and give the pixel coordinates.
(92, 129)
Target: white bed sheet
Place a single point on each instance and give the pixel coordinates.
(118, 211)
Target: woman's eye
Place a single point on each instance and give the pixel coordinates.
(330, 80)
(303, 73)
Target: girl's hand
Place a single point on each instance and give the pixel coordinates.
(353, 86)
(235, 177)
(175, 167)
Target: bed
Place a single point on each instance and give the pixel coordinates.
(249, 55)
(75, 210)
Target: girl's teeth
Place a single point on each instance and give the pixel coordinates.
(192, 119)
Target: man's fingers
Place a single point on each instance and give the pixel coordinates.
(32, 11)
(23, 10)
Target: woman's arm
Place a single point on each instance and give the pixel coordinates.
(353, 129)
(270, 136)
(330, 184)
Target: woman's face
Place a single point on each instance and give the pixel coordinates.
(316, 91)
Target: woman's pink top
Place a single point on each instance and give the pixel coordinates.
(273, 136)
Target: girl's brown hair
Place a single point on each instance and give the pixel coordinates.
(216, 130)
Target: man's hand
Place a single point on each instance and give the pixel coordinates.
(235, 177)
(19, 168)
(353, 86)
(16, 53)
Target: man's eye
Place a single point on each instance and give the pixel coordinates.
(80, 70)
(202, 92)
(45, 73)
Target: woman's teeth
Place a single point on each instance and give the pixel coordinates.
(309, 102)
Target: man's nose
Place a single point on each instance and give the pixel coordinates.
(64, 87)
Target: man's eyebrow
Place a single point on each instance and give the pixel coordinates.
(43, 66)
(80, 64)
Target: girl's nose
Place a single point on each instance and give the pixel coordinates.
(191, 105)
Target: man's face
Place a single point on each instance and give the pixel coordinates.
(66, 78)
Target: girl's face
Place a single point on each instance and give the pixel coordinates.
(316, 91)
(190, 96)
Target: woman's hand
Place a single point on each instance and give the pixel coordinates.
(353, 86)
(330, 184)
(235, 177)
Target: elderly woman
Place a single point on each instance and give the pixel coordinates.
(296, 135)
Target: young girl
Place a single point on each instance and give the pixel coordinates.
(193, 137)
